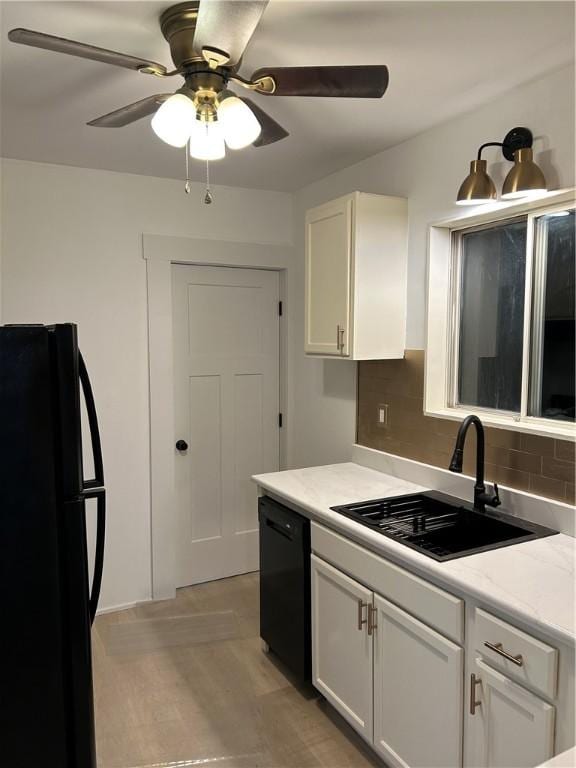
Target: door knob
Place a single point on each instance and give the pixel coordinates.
(181, 445)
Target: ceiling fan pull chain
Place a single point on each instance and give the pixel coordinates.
(208, 196)
(187, 150)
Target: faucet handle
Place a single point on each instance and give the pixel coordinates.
(496, 498)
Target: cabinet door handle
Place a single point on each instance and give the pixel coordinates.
(340, 338)
(474, 681)
(361, 619)
(499, 649)
(372, 625)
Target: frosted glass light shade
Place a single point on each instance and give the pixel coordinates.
(174, 121)
(207, 141)
(239, 124)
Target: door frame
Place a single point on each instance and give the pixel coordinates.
(160, 252)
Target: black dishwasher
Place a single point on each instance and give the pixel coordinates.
(285, 585)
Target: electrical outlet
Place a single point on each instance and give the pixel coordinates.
(382, 417)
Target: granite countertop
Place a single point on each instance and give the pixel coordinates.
(532, 581)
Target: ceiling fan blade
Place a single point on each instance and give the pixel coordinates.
(131, 112)
(357, 82)
(271, 130)
(73, 48)
(227, 25)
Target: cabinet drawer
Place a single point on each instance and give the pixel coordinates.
(434, 606)
(532, 662)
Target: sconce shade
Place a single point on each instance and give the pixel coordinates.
(524, 178)
(477, 187)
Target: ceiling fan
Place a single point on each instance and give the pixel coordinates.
(207, 40)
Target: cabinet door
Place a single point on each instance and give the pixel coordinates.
(328, 273)
(341, 646)
(418, 681)
(511, 728)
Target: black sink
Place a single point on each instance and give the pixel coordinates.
(441, 526)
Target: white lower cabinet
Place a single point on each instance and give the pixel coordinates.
(398, 682)
(401, 683)
(341, 648)
(417, 692)
(511, 727)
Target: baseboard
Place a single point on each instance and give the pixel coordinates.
(119, 607)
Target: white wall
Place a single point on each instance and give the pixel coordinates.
(427, 170)
(72, 251)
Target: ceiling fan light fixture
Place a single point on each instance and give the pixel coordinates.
(525, 178)
(240, 126)
(174, 121)
(477, 188)
(207, 42)
(207, 140)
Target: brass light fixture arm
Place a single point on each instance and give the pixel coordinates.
(265, 85)
(159, 72)
(215, 57)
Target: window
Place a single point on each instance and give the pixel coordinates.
(491, 316)
(511, 334)
(553, 337)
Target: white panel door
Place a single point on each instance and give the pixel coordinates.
(511, 728)
(418, 680)
(226, 402)
(341, 646)
(328, 279)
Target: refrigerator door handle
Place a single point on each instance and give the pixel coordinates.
(100, 495)
(93, 489)
(98, 480)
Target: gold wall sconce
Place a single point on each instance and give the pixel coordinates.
(524, 179)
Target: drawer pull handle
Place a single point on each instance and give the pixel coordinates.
(474, 681)
(498, 648)
(361, 619)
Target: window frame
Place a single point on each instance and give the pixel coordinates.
(443, 314)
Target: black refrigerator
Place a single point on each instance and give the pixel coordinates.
(47, 598)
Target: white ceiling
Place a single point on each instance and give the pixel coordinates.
(444, 58)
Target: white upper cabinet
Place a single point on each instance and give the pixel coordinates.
(356, 255)
(328, 278)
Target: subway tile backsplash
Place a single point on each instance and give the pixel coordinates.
(541, 465)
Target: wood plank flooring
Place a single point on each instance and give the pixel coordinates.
(182, 700)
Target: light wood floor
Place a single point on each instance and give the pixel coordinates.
(222, 703)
